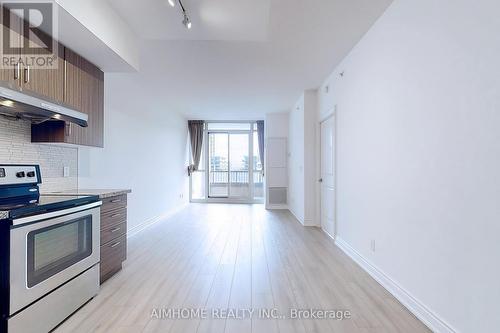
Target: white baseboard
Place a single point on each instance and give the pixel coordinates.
(328, 234)
(310, 223)
(305, 222)
(429, 318)
(149, 222)
(271, 207)
(295, 215)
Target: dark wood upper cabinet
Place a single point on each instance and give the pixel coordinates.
(10, 75)
(45, 82)
(48, 83)
(11, 29)
(82, 90)
(74, 82)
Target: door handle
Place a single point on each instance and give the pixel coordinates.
(320, 180)
(17, 71)
(27, 74)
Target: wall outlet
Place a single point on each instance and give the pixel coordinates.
(66, 172)
(181, 195)
(372, 245)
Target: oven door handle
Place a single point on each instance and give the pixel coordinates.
(51, 215)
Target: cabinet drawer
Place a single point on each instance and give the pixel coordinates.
(113, 218)
(113, 203)
(113, 254)
(113, 233)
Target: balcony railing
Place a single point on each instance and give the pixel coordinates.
(237, 177)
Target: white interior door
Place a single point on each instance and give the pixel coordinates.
(328, 176)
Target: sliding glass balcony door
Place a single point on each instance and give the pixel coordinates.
(230, 168)
(229, 165)
(239, 180)
(218, 161)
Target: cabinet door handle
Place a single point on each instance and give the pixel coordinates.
(26, 74)
(17, 71)
(116, 200)
(115, 229)
(116, 215)
(115, 244)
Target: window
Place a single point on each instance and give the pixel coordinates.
(230, 166)
(229, 126)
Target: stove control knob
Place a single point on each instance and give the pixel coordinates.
(31, 174)
(20, 174)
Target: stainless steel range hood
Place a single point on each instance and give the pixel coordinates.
(15, 103)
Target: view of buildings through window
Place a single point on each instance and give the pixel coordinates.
(219, 160)
(230, 164)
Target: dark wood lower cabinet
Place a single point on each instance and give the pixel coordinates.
(113, 203)
(113, 235)
(112, 256)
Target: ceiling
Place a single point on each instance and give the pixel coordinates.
(212, 19)
(242, 58)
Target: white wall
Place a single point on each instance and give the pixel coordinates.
(107, 25)
(419, 154)
(302, 158)
(276, 126)
(310, 153)
(296, 160)
(144, 150)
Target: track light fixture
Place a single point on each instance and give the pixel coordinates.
(185, 17)
(186, 21)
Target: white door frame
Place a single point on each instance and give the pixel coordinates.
(251, 134)
(331, 114)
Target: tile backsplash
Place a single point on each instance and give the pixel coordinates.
(16, 147)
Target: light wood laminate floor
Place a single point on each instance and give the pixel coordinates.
(215, 256)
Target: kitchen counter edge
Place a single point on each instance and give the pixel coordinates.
(102, 193)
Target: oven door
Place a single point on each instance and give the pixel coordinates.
(48, 250)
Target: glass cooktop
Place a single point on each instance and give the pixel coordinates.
(17, 208)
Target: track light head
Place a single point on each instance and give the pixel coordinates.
(186, 21)
(185, 18)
